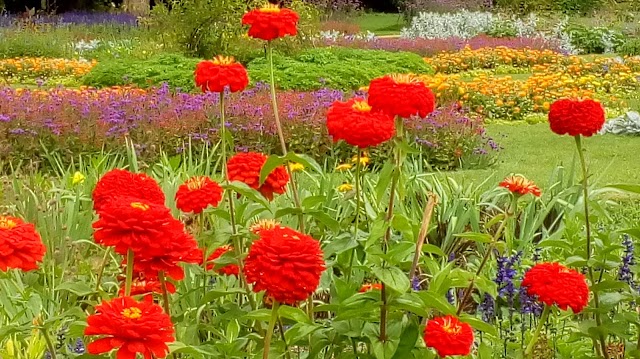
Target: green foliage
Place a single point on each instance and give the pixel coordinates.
(339, 68)
(503, 29)
(594, 40)
(581, 7)
(630, 47)
(27, 44)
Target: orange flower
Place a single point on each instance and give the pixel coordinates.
(355, 123)
(122, 183)
(448, 336)
(220, 73)
(401, 95)
(229, 269)
(198, 193)
(520, 186)
(271, 22)
(370, 286)
(246, 167)
(20, 245)
(131, 327)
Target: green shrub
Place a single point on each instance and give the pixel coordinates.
(581, 7)
(503, 29)
(630, 47)
(338, 68)
(594, 40)
(29, 44)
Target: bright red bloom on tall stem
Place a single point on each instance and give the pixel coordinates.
(181, 248)
(401, 95)
(448, 336)
(286, 264)
(355, 123)
(229, 269)
(220, 73)
(553, 283)
(20, 245)
(131, 327)
(141, 285)
(122, 183)
(271, 22)
(246, 167)
(198, 193)
(520, 186)
(576, 117)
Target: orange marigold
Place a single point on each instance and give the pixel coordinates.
(520, 186)
(198, 193)
(220, 73)
(130, 326)
(229, 269)
(370, 286)
(20, 245)
(245, 167)
(553, 283)
(122, 183)
(355, 123)
(401, 95)
(286, 264)
(448, 336)
(271, 22)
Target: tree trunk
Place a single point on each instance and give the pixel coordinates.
(137, 7)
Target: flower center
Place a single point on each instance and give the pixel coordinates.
(223, 60)
(195, 183)
(140, 206)
(132, 313)
(264, 224)
(405, 78)
(7, 223)
(451, 328)
(271, 8)
(361, 106)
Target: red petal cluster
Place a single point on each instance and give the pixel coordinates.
(448, 336)
(285, 263)
(355, 123)
(122, 183)
(20, 245)
(182, 248)
(142, 285)
(576, 117)
(401, 95)
(553, 283)
(131, 327)
(270, 22)
(222, 72)
(198, 193)
(520, 186)
(370, 286)
(245, 167)
(229, 269)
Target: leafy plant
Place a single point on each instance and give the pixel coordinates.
(630, 47)
(594, 40)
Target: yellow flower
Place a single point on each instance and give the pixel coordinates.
(77, 178)
(296, 167)
(345, 187)
(344, 167)
(364, 159)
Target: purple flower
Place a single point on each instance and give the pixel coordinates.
(505, 276)
(628, 259)
(488, 308)
(528, 304)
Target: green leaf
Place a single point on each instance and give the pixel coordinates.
(272, 162)
(475, 237)
(248, 192)
(300, 332)
(215, 294)
(609, 285)
(339, 245)
(430, 248)
(293, 313)
(479, 324)
(259, 314)
(312, 201)
(393, 277)
(408, 341)
(326, 219)
(632, 188)
(437, 302)
(305, 160)
(78, 288)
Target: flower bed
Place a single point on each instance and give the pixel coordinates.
(28, 68)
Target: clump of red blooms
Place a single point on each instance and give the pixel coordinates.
(520, 186)
(576, 117)
(357, 124)
(142, 284)
(246, 166)
(552, 283)
(286, 264)
(401, 95)
(20, 245)
(131, 327)
(198, 193)
(370, 286)
(229, 269)
(271, 22)
(220, 73)
(448, 336)
(119, 183)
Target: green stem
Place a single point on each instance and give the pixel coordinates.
(284, 339)
(585, 194)
(129, 280)
(357, 220)
(269, 334)
(47, 339)
(103, 265)
(283, 144)
(543, 319)
(165, 298)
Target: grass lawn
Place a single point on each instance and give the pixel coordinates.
(534, 151)
(380, 23)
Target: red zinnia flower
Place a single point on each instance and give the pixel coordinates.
(144, 227)
(245, 167)
(576, 117)
(198, 193)
(271, 22)
(122, 183)
(220, 73)
(229, 269)
(131, 327)
(370, 286)
(553, 283)
(181, 248)
(142, 285)
(285, 263)
(355, 123)
(20, 245)
(520, 186)
(448, 336)
(401, 95)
